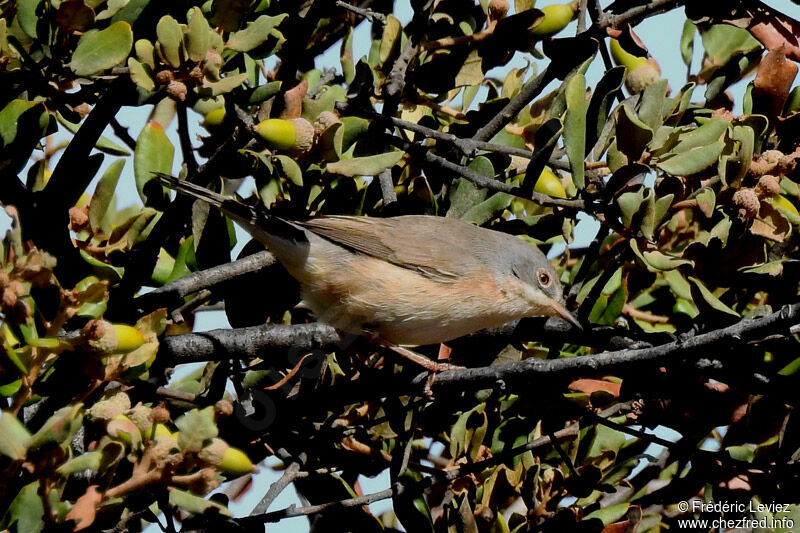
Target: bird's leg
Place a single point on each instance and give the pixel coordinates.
(444, 355)
(421, 360)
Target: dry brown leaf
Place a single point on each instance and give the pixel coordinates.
(770, 224)
(588, 386)
(85, 509)
(773, 82)
(293, 100)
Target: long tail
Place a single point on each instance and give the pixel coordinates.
(258, 223)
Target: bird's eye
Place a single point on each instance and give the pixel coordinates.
(544, 277)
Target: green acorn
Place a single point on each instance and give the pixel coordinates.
(556, 18)
(296, 134)
(641, 71)
(226, 458)
(214, 118)
(105, 338)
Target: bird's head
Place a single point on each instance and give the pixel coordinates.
(538, 280)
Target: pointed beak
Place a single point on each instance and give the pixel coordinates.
(562, 311)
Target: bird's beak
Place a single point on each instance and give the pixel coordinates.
(562, 311)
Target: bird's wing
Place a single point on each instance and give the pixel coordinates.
(418, 243)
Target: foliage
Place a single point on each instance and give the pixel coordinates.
(688, 293)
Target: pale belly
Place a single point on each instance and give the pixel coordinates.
(405, 307)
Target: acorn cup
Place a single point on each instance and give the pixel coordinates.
(105, 338)
(641, 71)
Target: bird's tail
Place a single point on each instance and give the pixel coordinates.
(257, 222)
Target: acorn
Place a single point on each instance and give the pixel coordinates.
(641, 71)
(110, 407)
(105, 338)
(160, 414)
(223, 408)
(78, 217)
(765, 162)
(747, 202)
(549, 184)
(226, 458)
(141, 415)
(214, 118)
(177, 90)
(768, 186)
(164, 77)
(296, 134)
(325, 120)
(556, 17)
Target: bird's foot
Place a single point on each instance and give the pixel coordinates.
(421, 360)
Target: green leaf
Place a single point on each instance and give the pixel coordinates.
(488, 209)
(27, 510)
(107, 269)
(98, 51)
(687, 42)
(712, 300)
(130, 13)
(196, 427)
(692, 161)
(14, 437)
(103, 193)
(140, 75)
(390, 40)
(59, 428)
(575, 127)
(87, 461)
(104, 144)
(471, 72)
(28, 15)
(145, 52)
(170, 37)
(722, 42)
(706, 201)
(632, 134)
(195, 504)
(199, 36)
(651, 110)
(657, 261)
(225, 85)
(365, 166)
(599, 109)
(605, 440)
(291, 169)
(609, 515)
(113, 8)
(255, 34)
(153, 153)
(264, 92)
(10, 118)
(709, 132)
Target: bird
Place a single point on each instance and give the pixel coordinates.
(406, 280)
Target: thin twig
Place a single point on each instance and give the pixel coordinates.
(183, 137)
(288, 477)
(484, 181)
(122, 133)
(370, 15)
(174, 292)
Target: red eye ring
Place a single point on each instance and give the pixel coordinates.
(543, 276)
